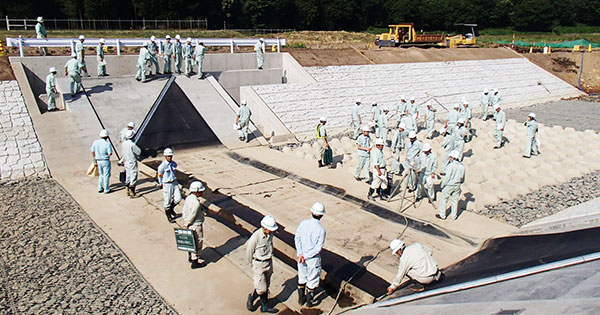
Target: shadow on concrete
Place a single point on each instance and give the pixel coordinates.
(225, 249)
(100, 88)
(38, 86)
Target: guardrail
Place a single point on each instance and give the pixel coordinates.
(135, 42)
(105, 24)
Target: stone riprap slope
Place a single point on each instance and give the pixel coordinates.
(20, 151)
(55, 260)
(299, 106)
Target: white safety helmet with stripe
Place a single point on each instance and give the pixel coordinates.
(532, 115)
(168, 152)
(103, 133)
(412, 135)
(52, 70)
(318, 208)
(196, 186)
(101, 40)
(366, 128)
(454, 154)
(426, 147)
(323, 118)
(269, 223)
(379, 141)
(396, 245)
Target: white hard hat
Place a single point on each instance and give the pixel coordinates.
(81, 37)
(196, 186)
(358, 101)
(379, 141)
(262, 39)
(101, 40)
(402, 98)
(461, 121)
(454, 154)
(152, 38)
(168, 152)
(428, 103)
(412, 98)
(131, 124)
(244, 102)
(374, 103)
(426, 147)
(318, 208)
(168, 37)
(366, 128)
(456, 105)
(386, 109)
(464, 101)
(52, 69)
(40, 19)
(496, 106)
(129, 133)
(402, 125)
(396, 245)
(412, 134)
(145, 44)
(177, 36)
(443, 129)
(323, 118)
(103, 133)
(268, 222)
(532, 115)
(189, 39)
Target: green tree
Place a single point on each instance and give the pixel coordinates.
(533, 15)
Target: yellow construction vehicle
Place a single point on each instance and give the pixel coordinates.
(467, 37)
(404, 35)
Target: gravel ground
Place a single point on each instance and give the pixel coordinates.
(580, 115)
(54, 259)
(546, 201)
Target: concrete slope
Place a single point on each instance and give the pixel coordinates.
(218, 114)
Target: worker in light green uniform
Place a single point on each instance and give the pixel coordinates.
(459, 138)
(485, 104)
(380, 181)
(188, 56)
(402, 106)
(495, 98)
(260, 53)
(430, 119)
(448, 145)
(178, 54)
(243, 121)
(500, 117)
(80, 50)
(376, 110)
(40, 32)
(363, 144)
(73, 70)
(153, 51)
(451, 187)
(413, 149)
(409, 123)
(398, 139)
(452, 118)
(532, 129)
(199, 56)
(412, 108)
(426, 174)
(51, 89)
(100, 58)
(143, 62)
(167, 54)
(383, 124)
(356, 119)
(466, 115)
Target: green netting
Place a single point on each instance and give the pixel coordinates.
(566, 44)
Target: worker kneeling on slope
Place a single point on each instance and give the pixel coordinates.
(416, 262)
(259, 253)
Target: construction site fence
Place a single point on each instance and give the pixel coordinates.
(566, 44)
(232, 43)
(105, 24)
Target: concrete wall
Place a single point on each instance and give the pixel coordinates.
(264, 118)
(232, 80)
(299, 105)
(293, 72)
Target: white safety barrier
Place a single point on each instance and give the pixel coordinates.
(135, 42)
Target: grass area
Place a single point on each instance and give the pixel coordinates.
(132, 33)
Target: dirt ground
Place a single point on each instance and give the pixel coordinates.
(6, 72)
(567, 65)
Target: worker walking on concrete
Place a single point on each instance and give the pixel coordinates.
(452, 118)
(153, 52)
(451, 186)
(309, 240)
(413, 149)
(260, 53)
(322, 140)
(356, 119)
(383, 124)
(402, 106)
(167, 180)
(40, 32)
(199, 57)
(427, 173)
(485, 104)
(168, 54)
(380, 182)
(123, 132)
(101, 153)
(447, 145)
(466, 116)
(430, 119)
(243, 121)
(409, 123)
(495, 98)
(51, 90)
(100, 58)
(531, 142)
(459, 138)
(412, 108)
(259, 253)
(80, 50)
(416, 262)
(398, 143)
(143, 62)
(73, 70)
(131, 154)
(193, 219)
(500, 117)
(188, 54)
(178, 54)
(363, 144)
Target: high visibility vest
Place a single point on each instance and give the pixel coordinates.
(319, 132)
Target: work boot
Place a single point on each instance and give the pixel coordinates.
(264, 307)
(251, 298)
(132, 190)
(416, 287)
(382, 195)
(172, 212)
(321, 163)
(127, 190)
(196, 264)
(370, 178)
(301, 294)
(190, 257)
(309, 298)
(171, 220)
(370, 196)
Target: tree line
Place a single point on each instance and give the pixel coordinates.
(351, 15)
